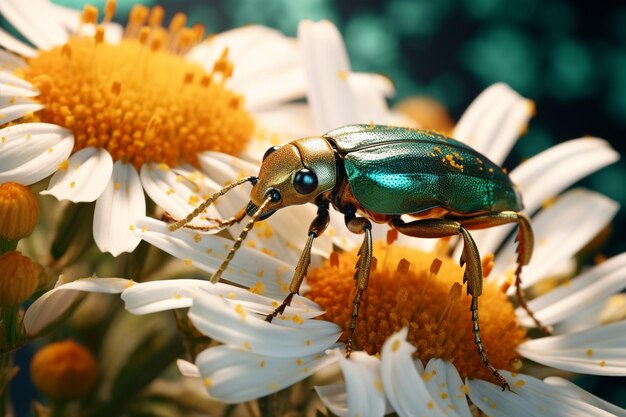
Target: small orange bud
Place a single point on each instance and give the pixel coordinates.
(19, 211)
(64, 370)
(19, 277)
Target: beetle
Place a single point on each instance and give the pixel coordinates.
(372, 173)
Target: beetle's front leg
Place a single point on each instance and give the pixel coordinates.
(362, 274)
(318, 225)
(437, 228)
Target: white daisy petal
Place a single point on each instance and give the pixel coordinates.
(363, 387)
(153, 296)
(13, 80)
(178, 191)
(229, 323)
(593, 286)
(547, 174)
(52, 304)
(334, 397)
(14, 108)
(532, 398)
(279, 125)
(446, 387)
(69, 17)
(187, 368)
(582, 318)
(494, 121)
(36, 20)
(32, 151)
(560, 231)
(369, 91)
(596, 351)
(116, 210)
(13, 44)
(249, 268)
(268, 67)
(327, 65)
(8, 93)
(10, 62)
(570, 389)
(406, 390)
(235, 376)
(84, 178)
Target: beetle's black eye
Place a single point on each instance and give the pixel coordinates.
(305, 181)
(274, 194)
(269, 151)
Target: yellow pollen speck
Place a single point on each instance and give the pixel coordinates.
(424, 292)
(50, 150)
(589, 352)
(240, 310)
(117, 185)
(208, 382)
(298, 319)
(209, 251)
(298, 362)
(197, 237)
(187, 261)
(178, 296)
(520, 383)
(231, 295)
(465, 389)
(140, 99)
(602, 363)
(262, 364)
(308, 342)
(131, 227)
(258, 288)
(170, 191)
(427, 376)
(395, 346)
(378, 385)
(72, 184)
(247, 345)
(444, 396)
(430, 405)
(342, 74)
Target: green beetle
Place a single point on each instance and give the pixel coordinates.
(373, 173)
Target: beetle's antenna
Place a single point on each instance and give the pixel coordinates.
(175, 226)
(242, 236)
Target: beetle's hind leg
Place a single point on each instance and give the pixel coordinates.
(525, 243)
(318, 225)
(437, 228)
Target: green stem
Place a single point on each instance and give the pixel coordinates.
(57, 409)
(7, 245)
(267, 406)
(13, 336)
(7, 372)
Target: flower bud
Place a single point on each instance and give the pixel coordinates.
(64, 370)
(19, 211)
(19, 277)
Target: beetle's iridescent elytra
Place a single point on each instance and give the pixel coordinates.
(373, 173)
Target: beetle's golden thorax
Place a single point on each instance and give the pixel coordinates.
(280, 170)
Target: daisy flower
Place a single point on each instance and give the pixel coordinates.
(114, 111)
(417, 350)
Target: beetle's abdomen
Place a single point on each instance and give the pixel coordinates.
(425, 170)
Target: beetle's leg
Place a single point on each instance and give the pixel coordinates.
(525, 242)
(318, 225)
(220, 224)
(362, 274)
(437, 228)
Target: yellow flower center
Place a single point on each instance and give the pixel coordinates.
(140, 99)
(423, 291)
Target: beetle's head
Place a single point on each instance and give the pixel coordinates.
(292, 174)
